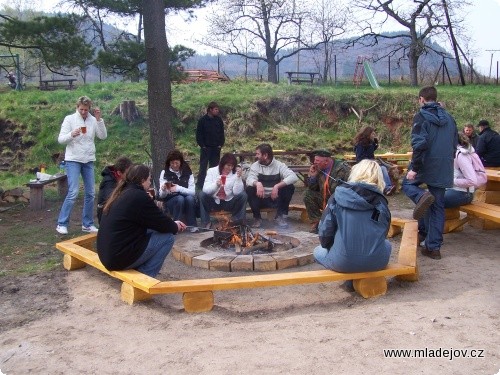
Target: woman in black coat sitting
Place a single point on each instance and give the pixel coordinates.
(134, 233)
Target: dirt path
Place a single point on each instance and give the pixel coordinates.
(74, 322)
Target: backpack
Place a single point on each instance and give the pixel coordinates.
(477, 164)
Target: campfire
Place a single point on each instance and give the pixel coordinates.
(244, 241)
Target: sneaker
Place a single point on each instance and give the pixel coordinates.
(423, 204)
(282, 221)
(433, 254)
(91, 229)
(422, 244)
(257, 223)
(61, 229)
(207, 225)
(194, 230)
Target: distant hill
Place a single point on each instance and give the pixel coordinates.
(234, 66)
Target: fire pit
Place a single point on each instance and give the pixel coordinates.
(238, 248)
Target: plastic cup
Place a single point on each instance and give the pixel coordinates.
(83, 129)
(223, 179)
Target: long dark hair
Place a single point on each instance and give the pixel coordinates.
(174, 155)
(363, 136)
(227, 158)
(136, 175)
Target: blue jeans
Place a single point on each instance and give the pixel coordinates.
(151, 261)
(282, 203)
(387, 179)
(73, 171)
(237, 206)
(456, 198)
(346, 264)
(432, 224)
(182, 207)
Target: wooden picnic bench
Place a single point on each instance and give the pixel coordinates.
(52, 84)
(198, 294)
(302, 77)
(37, 197)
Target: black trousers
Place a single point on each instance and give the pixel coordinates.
(281, 204)
(209, 157)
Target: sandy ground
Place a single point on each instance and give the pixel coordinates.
(75, 323)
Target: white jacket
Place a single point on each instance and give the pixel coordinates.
(234, 184)
(81, 148)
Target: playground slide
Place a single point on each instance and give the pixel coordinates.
(370, 75)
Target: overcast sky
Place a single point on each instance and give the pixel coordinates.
(482, 21)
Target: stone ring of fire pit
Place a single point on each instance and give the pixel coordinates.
(192, 250)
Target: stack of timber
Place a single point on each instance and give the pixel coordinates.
(196, 75)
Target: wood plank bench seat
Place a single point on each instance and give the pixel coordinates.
(198, 294)
(37, 197)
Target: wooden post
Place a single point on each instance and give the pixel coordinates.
(131, 294)
(372, 287)
(198, 301)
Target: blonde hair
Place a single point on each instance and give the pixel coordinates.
(369, 172)
(84, 100)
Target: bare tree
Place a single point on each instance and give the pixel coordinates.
(272, 26)
(329, 20)
(421, 19)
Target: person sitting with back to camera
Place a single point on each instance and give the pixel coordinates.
(365, 144)
(110, 177)
(270, 185)
(177, 189)
(223, 189)
(355, 223)
(134, 232)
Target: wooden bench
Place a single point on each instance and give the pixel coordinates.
(37, 197)
(52, 84)
(489, 214)
(198, 294)
(301, 77)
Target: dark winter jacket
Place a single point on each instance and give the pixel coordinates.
(434, 138)
(355, 223)
(122, 236)
(488, 147)
(365, 152)
(106, 187)
(210, 132)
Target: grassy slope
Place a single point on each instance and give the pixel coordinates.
(289, 117)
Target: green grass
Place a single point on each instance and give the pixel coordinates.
(289, 117)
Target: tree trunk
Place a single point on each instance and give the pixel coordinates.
(271, 70)
(128, 111)
(159, 89)
(413, 63)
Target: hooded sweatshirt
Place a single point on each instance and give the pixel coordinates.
(464, 176)
(354, 228)
(434, 139)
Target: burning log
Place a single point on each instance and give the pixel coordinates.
(268, 246)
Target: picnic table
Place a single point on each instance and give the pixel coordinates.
(52, 84)
(37, 198)
(301, 77)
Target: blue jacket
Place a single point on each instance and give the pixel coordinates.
(434, 138)
(354, 227)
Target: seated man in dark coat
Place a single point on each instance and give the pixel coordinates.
(488, 145)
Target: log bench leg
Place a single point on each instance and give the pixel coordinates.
(71, 263)
(198, 301)
(371, 287)
(131, 294)
(37, 199)
(412, 277)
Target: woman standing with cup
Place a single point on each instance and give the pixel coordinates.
(77, 133)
